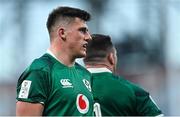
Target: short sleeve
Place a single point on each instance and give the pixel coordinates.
(145, 105)
(33, 87)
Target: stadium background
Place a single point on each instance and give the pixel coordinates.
(145, 32)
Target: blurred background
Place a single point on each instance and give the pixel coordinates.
(146, 34)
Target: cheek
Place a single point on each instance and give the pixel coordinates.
(75, 40)
(115, 58)
(74, 44)
(78, 40)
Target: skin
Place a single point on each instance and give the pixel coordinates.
(70, 42)
(67, 43)
(114, 57)
(27, 109)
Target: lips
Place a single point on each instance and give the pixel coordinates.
(85, 45)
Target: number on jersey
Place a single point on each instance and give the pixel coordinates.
(97, 110)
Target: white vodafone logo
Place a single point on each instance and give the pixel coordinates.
(82, 103)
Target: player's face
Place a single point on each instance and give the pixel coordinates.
(77, 38)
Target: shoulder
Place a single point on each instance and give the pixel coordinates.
(81, 69)
(137, 89)
(44, 63)
(134, 88)
(40, 67)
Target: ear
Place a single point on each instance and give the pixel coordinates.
(111, 58)
(61, 33)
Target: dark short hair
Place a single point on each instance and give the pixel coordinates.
(66, 12)
(98, 47)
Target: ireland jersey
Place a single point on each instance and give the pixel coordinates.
(115, 96)
(62, 90)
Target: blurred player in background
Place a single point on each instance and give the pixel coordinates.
(54, 85)
(113, 95)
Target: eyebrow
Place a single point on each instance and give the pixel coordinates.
(83, 29)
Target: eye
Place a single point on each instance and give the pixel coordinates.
(83, 30)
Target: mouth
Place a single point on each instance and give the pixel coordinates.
(85, 45)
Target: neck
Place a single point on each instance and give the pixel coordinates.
(62, 57)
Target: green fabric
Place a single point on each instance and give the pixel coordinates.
(119, 97)
(57, 87)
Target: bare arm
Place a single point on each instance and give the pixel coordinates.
(28, 109)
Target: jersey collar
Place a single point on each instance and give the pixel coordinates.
(99, 70)
(50, 53)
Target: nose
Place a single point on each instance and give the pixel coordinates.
(88, 37)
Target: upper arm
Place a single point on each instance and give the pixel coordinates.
(33, 88)
(28, 109)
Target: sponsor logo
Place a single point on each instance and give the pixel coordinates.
(24, 91)
(87, 84)
(66, 83)
(82, 103)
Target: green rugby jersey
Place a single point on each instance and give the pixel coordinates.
(115, 96)
(64, 91)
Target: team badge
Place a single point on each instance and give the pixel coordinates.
(82, 103)
(87, 84)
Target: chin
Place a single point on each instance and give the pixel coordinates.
(81, 55)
